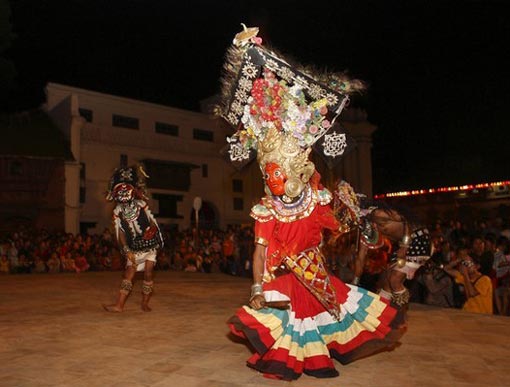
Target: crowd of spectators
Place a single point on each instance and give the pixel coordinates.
(462, 254)
(39, 251)
(469, 268)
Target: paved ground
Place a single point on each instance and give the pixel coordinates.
(53, 332)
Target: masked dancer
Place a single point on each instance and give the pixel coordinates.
(137, 233)
(298, 318)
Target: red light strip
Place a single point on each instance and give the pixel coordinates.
(467, 187)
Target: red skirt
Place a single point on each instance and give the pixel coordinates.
(305, 337)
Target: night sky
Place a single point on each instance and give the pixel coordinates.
(437, 71)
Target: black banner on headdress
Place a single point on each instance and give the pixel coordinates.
(334, 145)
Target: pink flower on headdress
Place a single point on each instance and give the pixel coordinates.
(313, 129)
(326, 124)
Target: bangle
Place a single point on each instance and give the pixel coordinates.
(355, 281)
(256, 290)
(405, 242)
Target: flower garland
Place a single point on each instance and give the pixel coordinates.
(273, 104)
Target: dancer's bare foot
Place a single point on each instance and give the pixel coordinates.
(146, 308)
(112, 308)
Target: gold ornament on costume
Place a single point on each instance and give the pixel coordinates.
(245, 36)
(293, 187)
(289, 147)
(271, 141)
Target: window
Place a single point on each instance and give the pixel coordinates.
(165, 174)
(168, 205)
(205, 170)
(203, 135)
(237, 185)
(238, 204)
(86, 113)
(83, 187)
(125, 121)
(161, 127)
(123, 160)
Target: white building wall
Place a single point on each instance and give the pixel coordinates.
(101, 146)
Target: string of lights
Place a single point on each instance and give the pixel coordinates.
(467, 187)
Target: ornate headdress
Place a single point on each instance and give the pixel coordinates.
(134, 176)
(280, 111)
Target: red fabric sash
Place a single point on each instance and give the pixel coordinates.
(308, 267)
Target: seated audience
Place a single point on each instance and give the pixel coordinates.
(477, 287)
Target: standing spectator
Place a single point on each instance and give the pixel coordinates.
(483, 257)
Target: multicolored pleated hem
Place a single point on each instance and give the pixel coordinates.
(305, 338)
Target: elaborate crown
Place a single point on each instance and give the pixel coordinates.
(273, 104)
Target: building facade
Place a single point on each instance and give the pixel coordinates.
(182, 151)
(33, 153)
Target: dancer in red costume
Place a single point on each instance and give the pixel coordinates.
(298, 317)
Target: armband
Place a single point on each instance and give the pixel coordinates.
(405, 242)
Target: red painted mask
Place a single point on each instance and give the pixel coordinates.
(275, 178)
(123, 193)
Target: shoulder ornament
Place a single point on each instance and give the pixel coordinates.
(261, 213)
(325, 196)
